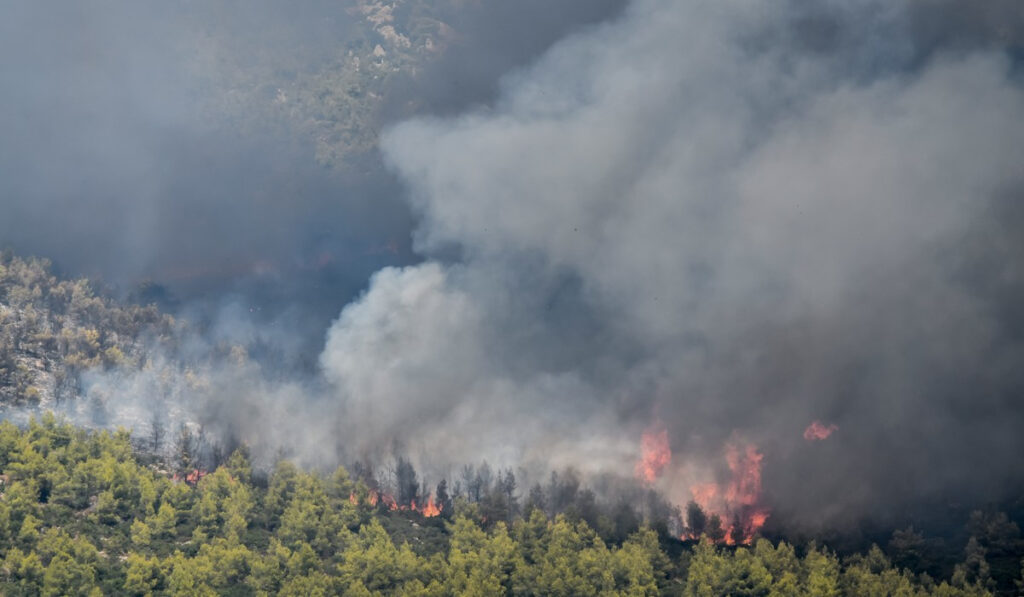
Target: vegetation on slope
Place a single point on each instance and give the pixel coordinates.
(53, 329)
(81, 515)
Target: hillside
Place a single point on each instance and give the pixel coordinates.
(327, 94)
(80, 515)
(53, 329)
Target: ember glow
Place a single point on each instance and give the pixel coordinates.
(655, 453)
(818, 431)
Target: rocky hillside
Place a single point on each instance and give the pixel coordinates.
(52, 329)
(327, 91)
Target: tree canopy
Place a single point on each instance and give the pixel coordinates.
(80, 515)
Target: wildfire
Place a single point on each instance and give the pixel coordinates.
(745, 487)
(429, 509)
(818, 431)
(655, 453)
(386, 499)
(192, 478)
(736, 503)
(704, 493)
(758, 518)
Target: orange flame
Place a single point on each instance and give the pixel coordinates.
(745, 488)
(704, 493)
(430, 509)
(736, 504)
(191, 478)
(655, 453)
(818, 431)
(385, 499)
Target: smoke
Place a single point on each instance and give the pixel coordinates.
(225, 152)
(484, 40)
(193, 149)
(730, 219)
(218, 157)
(733, 218)
(157, 143)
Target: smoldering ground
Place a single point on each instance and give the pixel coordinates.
(732, 217)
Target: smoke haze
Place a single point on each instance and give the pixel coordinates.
(735, 218)
(196, 145)
(731, 218)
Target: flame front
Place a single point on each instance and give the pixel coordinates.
(745, 464)
(386, 499)
(655, 453)
(429, 509)
(744, 493)
(737, 503)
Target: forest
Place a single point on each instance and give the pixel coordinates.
(83, 513)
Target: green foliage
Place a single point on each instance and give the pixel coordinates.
(80, 516)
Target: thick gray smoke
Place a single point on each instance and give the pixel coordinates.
(149, 141)
(226, 150)
(190, 144)
(730, 217)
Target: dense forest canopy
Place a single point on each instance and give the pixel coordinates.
(81, 515)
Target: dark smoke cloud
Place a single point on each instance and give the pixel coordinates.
(155, 141)
(139, 144)
(733, 218)
(156, 144)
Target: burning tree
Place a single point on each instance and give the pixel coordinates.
(726, 512)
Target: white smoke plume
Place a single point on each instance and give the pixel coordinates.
(695, 214)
